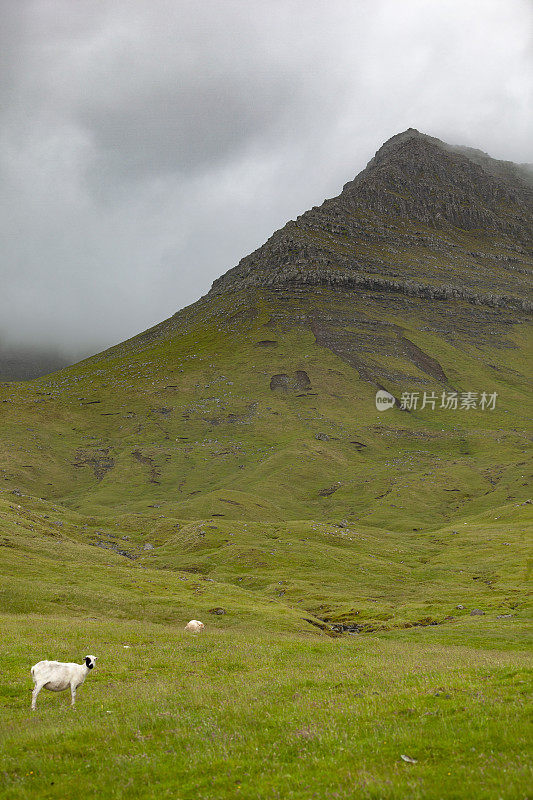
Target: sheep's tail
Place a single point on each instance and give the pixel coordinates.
(32, 672)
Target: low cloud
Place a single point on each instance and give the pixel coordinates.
(146, 147)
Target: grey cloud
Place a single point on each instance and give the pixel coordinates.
(146, 147)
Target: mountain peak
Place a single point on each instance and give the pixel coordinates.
(397, 141)
(422, 211)
(409, 146)
(414, 144)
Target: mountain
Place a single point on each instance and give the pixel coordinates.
(25, 363)
(239, 441)
(421, 218)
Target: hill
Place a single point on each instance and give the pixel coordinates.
(254, 408)
(25, 363)
(231, 464)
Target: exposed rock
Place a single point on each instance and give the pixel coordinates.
(231, 418)
(112, 546)
(410, 204)
(347, 628)
(330, 490)
(155, 471)
(99, 459)
(280, 381)
(302, 380)
(300, 383)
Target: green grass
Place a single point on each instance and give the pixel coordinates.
(241, 714)
(175, 440)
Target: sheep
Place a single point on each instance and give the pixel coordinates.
(57, 677)
(195, 626)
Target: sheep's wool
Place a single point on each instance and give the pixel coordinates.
(195, 626)
(57, 676)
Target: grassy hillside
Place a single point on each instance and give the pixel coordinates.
(363, 575)
(232, 445)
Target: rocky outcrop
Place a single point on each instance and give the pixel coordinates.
(423, 219)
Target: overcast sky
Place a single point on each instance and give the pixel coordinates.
(147, 145)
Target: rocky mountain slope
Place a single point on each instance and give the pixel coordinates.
(421, 219)
(239, 441)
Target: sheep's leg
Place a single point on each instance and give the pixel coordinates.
(36, 689)
(73, 694)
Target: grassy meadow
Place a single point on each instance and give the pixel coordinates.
(257, 714)
(335, 554)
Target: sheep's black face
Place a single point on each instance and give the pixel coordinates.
(89, 661)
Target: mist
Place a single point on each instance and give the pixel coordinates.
(146, 147)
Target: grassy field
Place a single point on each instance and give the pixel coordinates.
(167, 480)
(256, 715)
(264, 704)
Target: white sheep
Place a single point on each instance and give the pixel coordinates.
(195, 626)
(57, 676)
